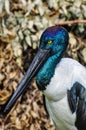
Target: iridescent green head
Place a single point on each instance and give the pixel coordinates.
(54, 38)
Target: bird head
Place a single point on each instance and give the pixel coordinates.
(55, 39)
(53, 42)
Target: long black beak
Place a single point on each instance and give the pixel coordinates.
(38, 61)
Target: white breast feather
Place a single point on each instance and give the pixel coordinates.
(67, 72)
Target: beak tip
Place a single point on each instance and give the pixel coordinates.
(3, 112)
(5, 109)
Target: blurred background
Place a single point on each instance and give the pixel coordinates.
(21, 25)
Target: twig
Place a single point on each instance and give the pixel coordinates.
(71, 22)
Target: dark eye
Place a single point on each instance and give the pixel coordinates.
(49, 42)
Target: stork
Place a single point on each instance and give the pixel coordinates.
(61, 80)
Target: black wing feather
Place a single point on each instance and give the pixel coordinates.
(77, 103)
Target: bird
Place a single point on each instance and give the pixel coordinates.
(61, 80)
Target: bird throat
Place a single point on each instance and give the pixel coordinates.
(45, 74)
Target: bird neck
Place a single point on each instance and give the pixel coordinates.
(47, 71)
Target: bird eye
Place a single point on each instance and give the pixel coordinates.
(50, 41)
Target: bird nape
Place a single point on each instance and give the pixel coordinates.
(62, 81)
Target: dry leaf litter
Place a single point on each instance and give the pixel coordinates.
(21, 25)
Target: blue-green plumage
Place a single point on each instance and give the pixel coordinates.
(59, 38)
